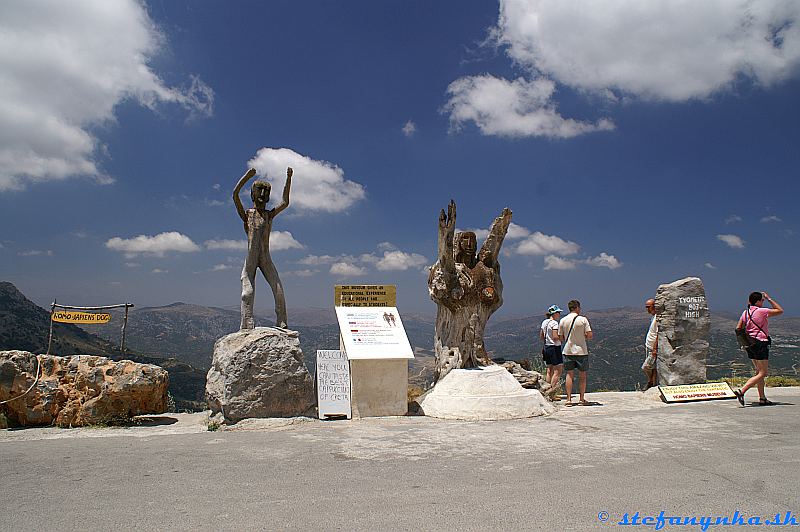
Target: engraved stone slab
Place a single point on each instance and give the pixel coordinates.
(683, 326)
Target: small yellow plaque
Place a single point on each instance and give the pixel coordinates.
(696, 392)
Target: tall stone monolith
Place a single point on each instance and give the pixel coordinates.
(683, 325)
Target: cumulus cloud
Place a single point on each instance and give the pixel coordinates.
(400, 261)
(316, 185)
(278, 241)
(733, 241)
(344, 269)
(155, 246)
(221, 267)
(710, 266)
(551, 262)
(732, 219)
(541, 244)
(518, 108)
(770, 219)
(159, 270)
(318, 260)
(604, 260)
(64, 67)
(301, 273)
(409, 128)
(659, 50)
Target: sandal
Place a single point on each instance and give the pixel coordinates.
(763, 401)
(739, 395)
(584, 403)
(569, 403)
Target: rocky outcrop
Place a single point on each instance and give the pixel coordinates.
(683, 326)
(531, 380)
(259, 373)
(78, 390)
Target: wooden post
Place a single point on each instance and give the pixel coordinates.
(124, 325)
(50, 338)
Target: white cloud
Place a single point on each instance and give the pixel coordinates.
(540, 244)
(301, 273)
(216, 186)
(659, 49)
(604, 260)
(278, 241)
(316, 185)
(710, 266)
(386, 246)
(156, 245)
(732, 219)
(770, 219)
(517, 231)
(159, 270)
(551, 262)
(344, 269)
(64, 67)
(35, 253)
(132, 264)
(400, 261)
(317, 260)
(733, 241)
(409, 128)
(221, 267)
(519, 108)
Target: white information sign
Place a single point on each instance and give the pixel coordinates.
(373, 332)
(333, 384)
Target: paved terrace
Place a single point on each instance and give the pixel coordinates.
(631, 454)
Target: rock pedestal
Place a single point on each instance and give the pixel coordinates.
(482, 394)
(259, 373)
(683, 325)
(78, 390)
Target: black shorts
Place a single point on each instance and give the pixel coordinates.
(552, 355)
(758, 351)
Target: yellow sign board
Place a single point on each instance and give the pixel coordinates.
(69, 316)
(696, 392)
(365, 295)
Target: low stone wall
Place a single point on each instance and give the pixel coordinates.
(78, 390)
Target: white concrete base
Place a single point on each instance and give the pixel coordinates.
(379, 387)
(488, 393)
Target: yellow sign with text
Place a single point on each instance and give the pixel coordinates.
(68, 316)
(696, 392)
(365, 295)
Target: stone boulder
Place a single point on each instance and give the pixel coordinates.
(482, 394)
(78, 390)
(683, 326)
(531, 380)
(259, 373)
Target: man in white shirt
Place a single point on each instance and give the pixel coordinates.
(651, 346)
(574, 330)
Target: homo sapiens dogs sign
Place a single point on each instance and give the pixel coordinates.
(66, 316)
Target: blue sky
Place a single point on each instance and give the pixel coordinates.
(636, 143)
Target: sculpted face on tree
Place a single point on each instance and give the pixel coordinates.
(260, 194)
(467, 244)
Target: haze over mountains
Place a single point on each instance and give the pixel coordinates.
(181, 337)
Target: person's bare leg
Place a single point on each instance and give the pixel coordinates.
(582, 375)
(557, 370)
(570, 375)
(248, 296)
(757, 379)
(271, 274)
(549, 378)
(763, 382)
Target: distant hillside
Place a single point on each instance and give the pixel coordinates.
(25, 326)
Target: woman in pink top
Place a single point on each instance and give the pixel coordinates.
(754, 319)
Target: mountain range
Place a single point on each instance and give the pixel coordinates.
(184, 334)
